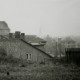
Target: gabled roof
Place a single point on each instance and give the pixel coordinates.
(36, 48)
(3, 25)
(33, 39)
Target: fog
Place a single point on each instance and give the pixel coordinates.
(42, 17)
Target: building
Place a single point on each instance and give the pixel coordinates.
(19, 46)
(4, 29)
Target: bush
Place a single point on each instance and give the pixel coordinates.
(2, 52)
(42, 62)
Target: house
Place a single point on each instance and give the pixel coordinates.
(16, 45)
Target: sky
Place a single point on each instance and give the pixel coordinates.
(42, 17)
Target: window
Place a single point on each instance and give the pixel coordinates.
(28, 56)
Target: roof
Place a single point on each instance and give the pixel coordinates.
(3, 25)
(36, 48)
(33, 39)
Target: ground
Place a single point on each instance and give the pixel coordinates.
(40, 72)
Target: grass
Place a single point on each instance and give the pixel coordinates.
(40, 72)
(22, 70)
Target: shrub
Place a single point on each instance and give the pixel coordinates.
(42, 62)
(2, 52)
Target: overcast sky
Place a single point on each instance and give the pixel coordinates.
(53, 17)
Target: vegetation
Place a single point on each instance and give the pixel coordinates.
(58, 69)
(2, 52)
(56, 46)
(21, 70)
(40, 72)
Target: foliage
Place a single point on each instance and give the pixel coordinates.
(51, 45)
(41, 72)
(56, 46)
(2, 52)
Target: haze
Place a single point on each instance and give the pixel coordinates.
(42, 17)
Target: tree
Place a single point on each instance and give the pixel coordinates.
(51, 45)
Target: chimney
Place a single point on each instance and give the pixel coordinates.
(17, 34)
(22, 35)
(10, 35)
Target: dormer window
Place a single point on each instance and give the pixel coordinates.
(43, 42)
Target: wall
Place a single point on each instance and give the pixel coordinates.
(4, 32)
(19, 49)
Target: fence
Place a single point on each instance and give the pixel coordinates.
(73, 55)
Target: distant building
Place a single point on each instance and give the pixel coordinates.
(4, 29)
